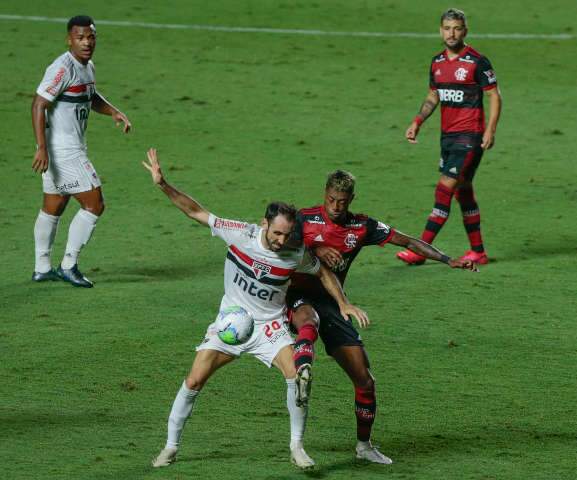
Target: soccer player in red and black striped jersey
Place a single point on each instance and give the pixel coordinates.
(459, 78)
(337, 236)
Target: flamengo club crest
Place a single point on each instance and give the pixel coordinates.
(351, 240)
(260, 269)
(461, 74)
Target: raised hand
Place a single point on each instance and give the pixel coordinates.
(153, 166)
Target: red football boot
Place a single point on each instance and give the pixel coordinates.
(480, 258)
(411, 258)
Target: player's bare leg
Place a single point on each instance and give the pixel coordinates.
(354, 361)
(45, 228)
(305, 321)
(206, 362)
(81, 228)
(298, 414)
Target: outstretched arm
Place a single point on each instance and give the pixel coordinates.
(39, 106)
(101, 105)
(495, 103)
(426, 110)
(333, 286)
(187, 204)
(426, 250)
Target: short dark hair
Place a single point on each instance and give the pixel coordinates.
(274, 209)
(79, 21)
(454, 14)
(341, 181)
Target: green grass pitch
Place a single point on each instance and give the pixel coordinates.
(476, 373)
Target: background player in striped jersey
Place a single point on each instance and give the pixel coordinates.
(337, 236)
(60, 112)
(459, 76)
(257, 271)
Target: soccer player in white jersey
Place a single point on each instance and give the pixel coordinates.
(256, 277)
(60, 112)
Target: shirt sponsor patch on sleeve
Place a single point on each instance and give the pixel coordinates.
(383, 226)
(51, 89)
(491, 77)
(228, 224)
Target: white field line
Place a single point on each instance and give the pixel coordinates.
(285, 31)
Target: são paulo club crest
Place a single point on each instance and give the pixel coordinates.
(351, 240)
(260, 269)
(461, 74)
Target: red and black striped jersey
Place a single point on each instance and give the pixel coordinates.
(460, 83)
(315, 228)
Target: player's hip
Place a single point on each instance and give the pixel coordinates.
(68, 175)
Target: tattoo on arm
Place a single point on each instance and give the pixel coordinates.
(427, 109)
(426, 250)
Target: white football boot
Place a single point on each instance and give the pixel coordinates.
(300, 458)
(165, 457)
(366, 451)
(303, 382)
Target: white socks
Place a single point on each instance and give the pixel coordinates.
(185, 398)
(298, 415)
(181, 410)
(79, 233)
(44, 233)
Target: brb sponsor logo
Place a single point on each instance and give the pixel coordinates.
(448, 95)
(254, 290)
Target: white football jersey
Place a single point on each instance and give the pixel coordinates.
(255, 277)
(69, 85)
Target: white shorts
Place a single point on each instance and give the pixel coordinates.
(267, 340)
(69, 173)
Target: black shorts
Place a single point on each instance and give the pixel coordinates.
(460, 155)
(334, 330)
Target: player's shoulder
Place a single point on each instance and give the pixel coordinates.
(357, 218)
(474, 55)
(312, 214)
(439, 57)
(245, 228)
(61, 61)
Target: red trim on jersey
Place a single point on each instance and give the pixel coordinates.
(277, 271)
(490, 87)
(78, 88)
(388, 239)
(311, 210)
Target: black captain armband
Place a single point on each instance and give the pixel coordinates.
(445, 259)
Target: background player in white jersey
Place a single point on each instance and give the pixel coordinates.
(256, 277)
(60, 112)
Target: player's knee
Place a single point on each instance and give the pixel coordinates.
(305, 315)
(97, 209)
(194, 383)
(290, 372)
(364, 381)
